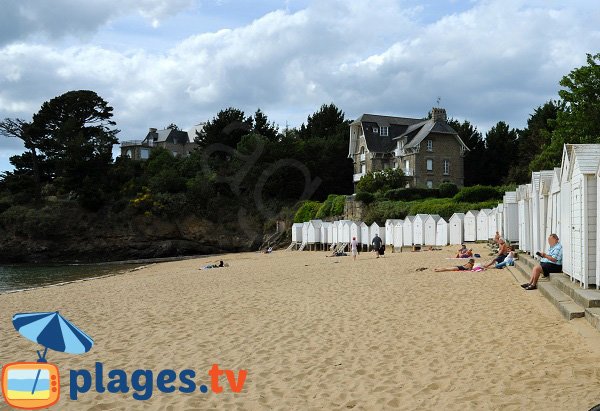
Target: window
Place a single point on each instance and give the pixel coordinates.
(384, 131)
(429, 184)
(363, 168)
(406, 165)
(429, 164)
(429, 145)
(446, 167)
(375, 130)
(144, 153)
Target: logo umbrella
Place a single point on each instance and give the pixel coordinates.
(53, 331)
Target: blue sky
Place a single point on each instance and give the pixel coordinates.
(180, 61)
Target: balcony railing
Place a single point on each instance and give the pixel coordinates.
(399, 152)
(409, 172)
(358, 176)
(130, 143)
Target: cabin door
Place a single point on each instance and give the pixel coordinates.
(577, 252)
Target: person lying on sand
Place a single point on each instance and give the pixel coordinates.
(467, 267)
(215, 265)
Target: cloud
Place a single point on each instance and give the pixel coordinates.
(495, 60)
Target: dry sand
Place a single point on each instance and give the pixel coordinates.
(324, 333)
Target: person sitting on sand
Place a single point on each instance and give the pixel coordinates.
(509, 260)
(502, 253)
(467, 267)
(268, 250)
(376, 243)
(497, 238)
(215, 265)
(464, 252)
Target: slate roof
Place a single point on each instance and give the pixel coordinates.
(168, 135)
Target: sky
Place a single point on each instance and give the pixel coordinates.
(159, 62)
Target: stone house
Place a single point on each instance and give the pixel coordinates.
(179, 143)
(428, 151)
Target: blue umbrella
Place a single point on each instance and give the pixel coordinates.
(53, 331)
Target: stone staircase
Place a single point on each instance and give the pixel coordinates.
(567, 296)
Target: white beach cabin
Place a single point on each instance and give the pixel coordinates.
(407, 230)
(364, 236)
(305, 232)
(483, 224)
(545, 204)
(500, 219)
(442, 233)
(523, 217)
(470, 233)
(431, 229)
(554, 216)
(375, 229)
(297, 232)
(355, 230)
(493, 222)
(510, 216)
(583, 171)
(326, 231)
(345, 234)
(334, 232)
(314, 233)
(534, 214)
(389, 231)
(398, 235)
(456, 227)
(419, 229)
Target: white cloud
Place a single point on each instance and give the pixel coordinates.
(497, 60)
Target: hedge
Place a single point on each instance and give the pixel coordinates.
(411, 194)
(477, 194)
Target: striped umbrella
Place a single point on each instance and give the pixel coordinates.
(53, 331)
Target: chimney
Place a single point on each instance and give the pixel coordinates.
(152, 130)
(439, 114)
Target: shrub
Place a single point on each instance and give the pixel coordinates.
(338, 205)
(365, 197)
(477, 194)
(448, 190)
(411, 194)
(307, 211)
(383, 180)
(384, 210)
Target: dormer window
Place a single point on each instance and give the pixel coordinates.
(384, 131)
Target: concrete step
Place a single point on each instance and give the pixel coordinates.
(593, 317)
(568, 308)
(583, 297)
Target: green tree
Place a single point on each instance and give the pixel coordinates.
(501, 145)
(577, 122)
(263, 127)
(227, 127)
(475, 159)
(74, 132)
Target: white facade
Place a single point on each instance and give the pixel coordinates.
(493, 223)
(431, 229)
(470, 233)
(355, 230)
(500, 219)
(456, 228)
(554, 216)
(565, 211)
(419, 229)
(442, 233)
(314, 231)
(407, 230)
(510, 216)
(326, 231)
(483, 224)
(345, 235)
(365, 238)
(375, 229)
(297, 232)
(545, 205)
(389, 231)
(305, 232)
(524, 220)
(534, 214)
(334, 232)
(398, 234)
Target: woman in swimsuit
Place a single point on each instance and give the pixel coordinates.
(467, 267)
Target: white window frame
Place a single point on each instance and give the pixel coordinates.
(429, 145)
(446, 167)
(429, 184)
(382, 133)
(429, 164)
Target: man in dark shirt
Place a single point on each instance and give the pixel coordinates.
(376, 244)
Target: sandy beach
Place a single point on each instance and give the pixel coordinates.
(323, 333)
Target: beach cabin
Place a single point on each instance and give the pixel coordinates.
(345, 233)
(364, 236)
(407, 230)
(305, 232)
(553, 217)
(314, 234)
(483, 224)
(398, 235)
(419, 229)
(534, 196)
(470, 225)
(326, 231)
(389, 231)
(493, 223)
(456, 228)
(500, 219)
(431, 229)
(523, 217)
(334, 232)
(565, 210)
(510, 216)
(355, 230)
(375, 229)
(544, 204)
(297, 232)
(583, 170)
(442, 233)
